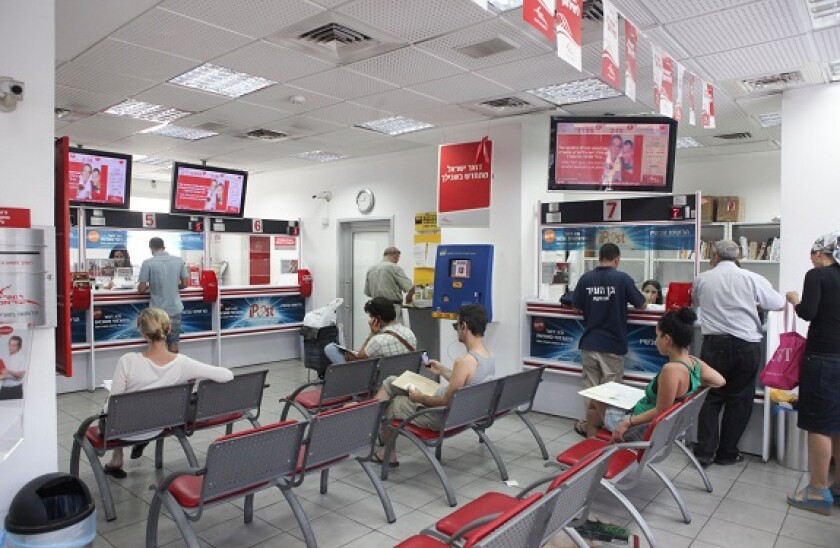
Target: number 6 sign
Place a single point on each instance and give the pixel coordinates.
(256, 225)
(612, 210)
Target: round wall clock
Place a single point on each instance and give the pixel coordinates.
(365, 200)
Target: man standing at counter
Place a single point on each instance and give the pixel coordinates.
(729, 297)
(163, 276)
(387, 279)
(602, 295)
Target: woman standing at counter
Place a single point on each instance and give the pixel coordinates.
(819, 376)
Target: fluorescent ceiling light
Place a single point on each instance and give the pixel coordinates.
(140, 110)
(320, 156)
(579, 91)
(770, 120)
(178, 132)
(396, 125)
(220, 80)
(153, 161)
(505, 5)
(687, 142)
(823, 13)
(834, 71)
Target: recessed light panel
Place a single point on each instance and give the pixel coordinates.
(687, 142)
(396, 125)
(153, 161)
(320, 156)
(178, 132)
(770, 120)
(150, 112)
(221, 80)
(579, 91)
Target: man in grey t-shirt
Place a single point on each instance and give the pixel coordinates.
(163, 276)
(387, 279)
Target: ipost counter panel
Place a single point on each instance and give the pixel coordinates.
(463, 275)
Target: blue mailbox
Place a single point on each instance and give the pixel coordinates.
(463, 275)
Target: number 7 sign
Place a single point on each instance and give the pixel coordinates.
(612, 210)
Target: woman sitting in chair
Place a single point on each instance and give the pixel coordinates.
(155, 368)
(678, 379)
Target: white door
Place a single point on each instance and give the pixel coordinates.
(361, 244)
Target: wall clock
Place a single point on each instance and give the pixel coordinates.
(365, 200)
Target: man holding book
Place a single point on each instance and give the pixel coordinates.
(476, 366)
(387, 337)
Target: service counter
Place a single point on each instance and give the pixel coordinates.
(245, 325)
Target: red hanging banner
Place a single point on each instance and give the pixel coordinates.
(569, 24)
(630, 37)
(708, 116)
(666, 96)
(464, 181)
(609, 55)
(692, 105)
(540, 15)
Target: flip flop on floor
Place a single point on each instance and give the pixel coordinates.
(115, 472)
(580, 428)
(378, 460)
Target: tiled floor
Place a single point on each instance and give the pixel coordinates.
(747, 508)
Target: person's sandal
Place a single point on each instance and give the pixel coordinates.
(804, 499)
(378, 460)
(580, 428)
(114, 472)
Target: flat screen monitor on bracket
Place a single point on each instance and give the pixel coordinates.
(98, 178)
(206, 190)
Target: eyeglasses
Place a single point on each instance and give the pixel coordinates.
(456, 325)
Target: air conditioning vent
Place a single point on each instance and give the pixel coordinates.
(487, 48)
(214, 127)
(512, 105)
(593, 10)
(508, 103)
(266, 135)
(333, 33)
(773, 82)
(734, 136)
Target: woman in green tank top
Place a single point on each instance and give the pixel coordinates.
(679, 378)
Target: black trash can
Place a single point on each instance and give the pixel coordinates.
(52, 510)
(314, 341)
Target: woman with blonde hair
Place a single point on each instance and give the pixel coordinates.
(154, 368)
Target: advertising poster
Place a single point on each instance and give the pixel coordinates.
(540, 15)
(609, 55)
(97, 179)
(174, 242)
(465, 175)
(708, 115)
(257, 312)
(569, 24)
(613, 155)
(118, 322)
(678, 101)
(630, 37)
(666, 95)
(558, 339)
(15, 352)
(628, 238)
(23, 287)
(208, 190)
(692, 108)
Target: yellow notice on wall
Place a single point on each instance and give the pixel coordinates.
(426, 241)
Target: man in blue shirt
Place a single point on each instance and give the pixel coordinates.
(602, 295)
(163, 276)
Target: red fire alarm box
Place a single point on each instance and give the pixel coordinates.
(305, 282)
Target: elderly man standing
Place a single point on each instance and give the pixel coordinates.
(387, 279)
(729, 298)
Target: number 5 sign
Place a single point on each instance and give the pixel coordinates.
(149, 220)
(612, 210)
(256, 225)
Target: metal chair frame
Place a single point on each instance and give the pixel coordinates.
(131, 414)
(237, 465)
(397, 365)
(343, 382)
(692, 406)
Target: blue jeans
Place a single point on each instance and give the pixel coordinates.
(334, 354)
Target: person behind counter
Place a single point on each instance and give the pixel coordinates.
(678, 379)
(120, 259)
(652, 290)
(155, 368)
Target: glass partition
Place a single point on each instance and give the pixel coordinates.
(254, 259)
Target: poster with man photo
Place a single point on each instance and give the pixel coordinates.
(15, 349)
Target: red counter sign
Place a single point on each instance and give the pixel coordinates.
(15, 217)
(464, 179)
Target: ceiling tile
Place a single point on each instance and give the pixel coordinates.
(280, 97)
(120, 57)
(300, 126)
(80, 100)
(167, 31)
(405, 67)
(534, 72)
(271, 61)
(399, 100)
(342, 83)
(675, 10)
(355, 137)
(767, 58)
(182, 98)
(461, 88)
(445, 115)
(348, 114)
(206, 148)
(256, 18)
(236, 114)
(415, 21)
(104, 128)
(251, 154)
(636, 12)
(148, 144)
(80, 75)
(621, 106)
(828, 44)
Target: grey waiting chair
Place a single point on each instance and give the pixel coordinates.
(343, 383)
(518, 393)
(397, 365)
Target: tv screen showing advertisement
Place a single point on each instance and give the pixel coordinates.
(98, 178)
(205, 190)
(634, 154)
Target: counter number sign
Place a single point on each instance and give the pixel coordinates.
(149, 220)
(612, 210)
(256, 226)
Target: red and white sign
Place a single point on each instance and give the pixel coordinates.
(97, 179)
(609, 55)
(678, 101)
(612, 210)
(569, 13)
(256, 225)
(666, 94)
(657, 76)
(692, 104)
(540, 15)
(465, 176)
(15, 217)
(149, 220)
(208, 190)
(285, 242)
(630, 37)
(708, 116)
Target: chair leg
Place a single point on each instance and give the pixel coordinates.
(495, 452)
(188, 450)
(380, 490)
(101, 480)
(325, 479)
(75, 455)
(285, 411)
(444, 479)
(180, 519)
(300, 515)
(249, 508)
(439, 451)
(535, 433)
(229, 429)
(576, 538)
(637, 517)
(159, 454)
(694, 462)
(674, 492)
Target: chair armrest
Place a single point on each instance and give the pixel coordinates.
(163, 486)
(419, 413)
(87, 422)
(300, 409)
(301, 388)
(536, 483)
(478, 522)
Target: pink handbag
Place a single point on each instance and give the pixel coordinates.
(782, 371)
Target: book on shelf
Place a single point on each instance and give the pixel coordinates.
(410, 379)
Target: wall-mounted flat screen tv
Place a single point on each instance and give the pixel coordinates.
(98, 178)
(205, 190)
(634, 154)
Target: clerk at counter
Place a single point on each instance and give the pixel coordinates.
(163, 276)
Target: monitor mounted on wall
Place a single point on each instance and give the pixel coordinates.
(206, 190)
(98, 178)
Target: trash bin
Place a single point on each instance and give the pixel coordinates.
(791, 442)
(314, 341)
(52, 510)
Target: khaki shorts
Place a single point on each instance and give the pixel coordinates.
(600, 367)
(400, 407)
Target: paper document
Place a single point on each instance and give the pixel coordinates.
(106, 384)
(418, 382)
(345, 349)
(615, 394)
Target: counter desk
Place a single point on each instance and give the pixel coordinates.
(245, 325)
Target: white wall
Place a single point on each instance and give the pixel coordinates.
(26, 154)
(809, 175)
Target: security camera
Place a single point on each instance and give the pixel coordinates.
(323, 195)
(11, 91)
